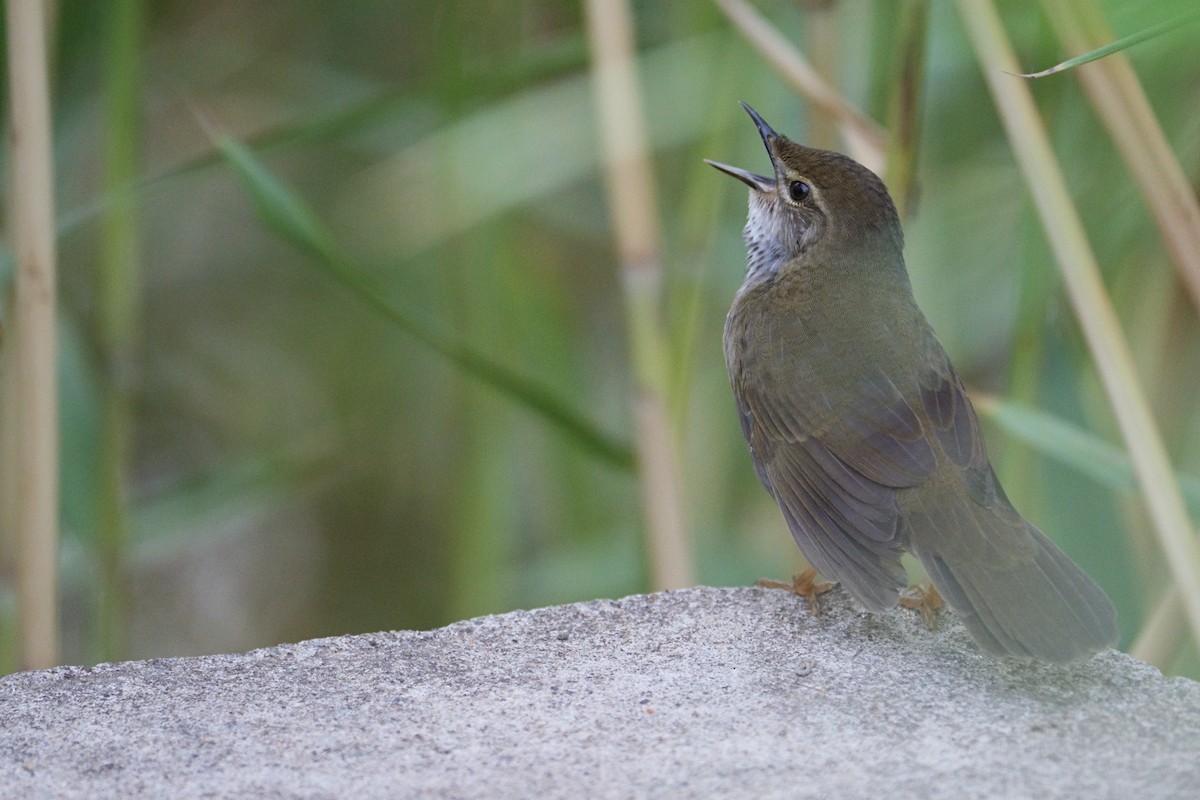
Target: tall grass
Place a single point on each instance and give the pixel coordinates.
(440, 422)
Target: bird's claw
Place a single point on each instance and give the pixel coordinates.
(804, 584)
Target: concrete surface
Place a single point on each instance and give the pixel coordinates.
(703, 693)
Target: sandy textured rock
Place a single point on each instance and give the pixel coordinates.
(700, 693)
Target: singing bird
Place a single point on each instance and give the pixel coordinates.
(860, 428)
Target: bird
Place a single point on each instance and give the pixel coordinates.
(860, 428)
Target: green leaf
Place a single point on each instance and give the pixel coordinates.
(1070, 445)
(290, 218)
(1118, 45)
(342, 121)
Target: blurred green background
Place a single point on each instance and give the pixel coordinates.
(299, 467)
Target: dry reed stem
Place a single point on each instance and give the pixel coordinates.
(1089, 299)
(1117, 96)
(865, 140)
(629, 177)
(34, 351)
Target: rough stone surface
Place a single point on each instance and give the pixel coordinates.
(703, 693)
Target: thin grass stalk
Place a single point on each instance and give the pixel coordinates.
(823, 36)
(904, 105)
(1159, 639)
(1020, 470)
(1152, 335)
(9, 507)
(1117, 96)
(697, 231)
(119, 282)
(34, 352)
(865, 140)
(628, 174)
(1092, 306)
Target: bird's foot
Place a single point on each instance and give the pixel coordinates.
(804, 584)
(925, 600)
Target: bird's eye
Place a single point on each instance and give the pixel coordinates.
(799, 191)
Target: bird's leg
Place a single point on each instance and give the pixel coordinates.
(804, 584)
(927, 601)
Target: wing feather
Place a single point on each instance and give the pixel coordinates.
(836, 477)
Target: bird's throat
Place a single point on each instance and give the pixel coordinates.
(765, 254)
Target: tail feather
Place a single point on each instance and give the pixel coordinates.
(1017, 593)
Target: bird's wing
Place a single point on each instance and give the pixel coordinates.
(835, 457)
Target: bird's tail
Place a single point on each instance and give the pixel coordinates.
(1017, 593)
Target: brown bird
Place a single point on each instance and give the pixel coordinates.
(859, 426)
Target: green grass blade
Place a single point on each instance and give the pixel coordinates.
(339, 122)
(290, 218)
(1074, 447)
(904, 105)
(1120, 44)
(118, 320)
(281, 209)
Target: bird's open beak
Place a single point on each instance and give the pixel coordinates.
(755, 181)
(764, 130)
(759, 183)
